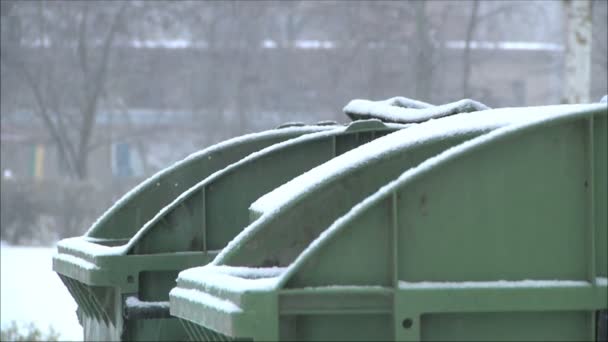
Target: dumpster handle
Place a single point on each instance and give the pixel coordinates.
(137, 309)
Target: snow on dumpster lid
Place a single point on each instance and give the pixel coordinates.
(331, 131)
(198, 297)
(236, 279)
(435, 129)
(122, 201)
(404, 110)
(539, 115)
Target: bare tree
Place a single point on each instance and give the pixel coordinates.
(71, 132)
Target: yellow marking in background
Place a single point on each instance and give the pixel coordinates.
(39, 162)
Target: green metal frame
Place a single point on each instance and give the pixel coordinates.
(93, 267)
(191, 229)
(443, 251)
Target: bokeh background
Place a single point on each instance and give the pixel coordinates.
(98, 95)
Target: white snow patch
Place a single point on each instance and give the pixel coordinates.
(530, 115)
(77, 261)
(400, 101)
(31, 292)
(435, 129)
(248, 272)
(601, 281)
(80, 247)
(198, 297)
(408, 111)
(230, 278)
(505, 45)
(134, 302)
(155, 178)
(604, 99)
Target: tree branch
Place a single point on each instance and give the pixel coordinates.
(92, 98)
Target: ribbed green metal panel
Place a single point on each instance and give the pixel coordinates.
(501, 237)
(191, 228)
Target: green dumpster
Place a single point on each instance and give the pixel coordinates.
(481, 226)
(121, 271)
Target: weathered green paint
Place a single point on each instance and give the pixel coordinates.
(520, 204)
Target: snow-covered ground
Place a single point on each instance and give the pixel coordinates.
(31, 292)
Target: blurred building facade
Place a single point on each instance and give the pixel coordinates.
(167, 96)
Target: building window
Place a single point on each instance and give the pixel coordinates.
(126, 162)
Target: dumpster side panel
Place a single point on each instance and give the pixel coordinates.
(201, 214)
(362, 256)
(493, 239)
(337, 328)
(481, 225)
(516, 209)
(179, 230)
(258, 178)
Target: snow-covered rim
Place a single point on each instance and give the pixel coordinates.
(311, 181)
(229, 278)
(196, 296)
(333, 131)
(150, 181)
(404, 110)
(466, 123)
(90, 249)
(280, 276)
(411, 175)
(214, 176)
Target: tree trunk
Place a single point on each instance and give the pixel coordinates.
(577, 72)
(94, 85)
